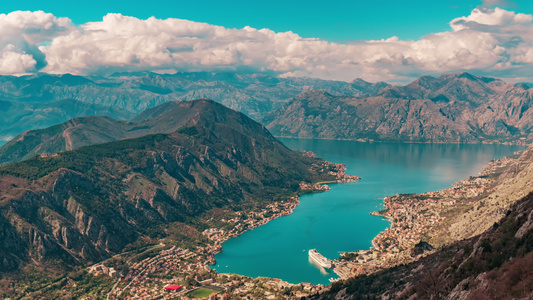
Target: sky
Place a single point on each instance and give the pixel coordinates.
(394, 41)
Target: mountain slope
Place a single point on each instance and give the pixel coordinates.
(453, 108)
(84, 131)
(487, 240)
(84, 205)
(320, 115)
(497, 264)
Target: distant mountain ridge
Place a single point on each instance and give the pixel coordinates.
(121, 96)
(452, 108)
(16, 117)
(456, 108)
(85, 131)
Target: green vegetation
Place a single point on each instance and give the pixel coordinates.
(201, 293)
(192, 131)
(139, 192)
(84, 160)
(349, 256)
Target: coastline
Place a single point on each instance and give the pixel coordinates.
(199, 260)
(518, 142)
(417, 221)
(186, 266)
(219, 237)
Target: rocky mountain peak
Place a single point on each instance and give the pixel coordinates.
(458, 108)
(169, 117)
(181, 161)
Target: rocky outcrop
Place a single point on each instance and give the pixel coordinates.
(51, 224)
(514, 183)
(452, 108)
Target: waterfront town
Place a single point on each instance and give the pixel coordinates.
(171, 272)
(412, 217)
(179, 273)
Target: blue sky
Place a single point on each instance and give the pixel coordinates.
(330, 20)
(394, 41)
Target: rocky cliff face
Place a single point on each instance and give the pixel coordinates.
(84, 205)
(453, 108)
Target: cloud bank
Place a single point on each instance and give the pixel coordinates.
(490, 41)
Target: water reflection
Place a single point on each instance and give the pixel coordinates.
(413, 155)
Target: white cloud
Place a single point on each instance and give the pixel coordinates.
(488, 41)
(20, 34)
(14, 62)
(490, 17)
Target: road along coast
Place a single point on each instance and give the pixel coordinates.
(146, 275)
(420, 223)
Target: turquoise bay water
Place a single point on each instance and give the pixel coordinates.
(338, 220)
(2, 143)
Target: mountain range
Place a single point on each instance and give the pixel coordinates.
(81, 191)
(42, 100)
(452, 108)
(173, 168)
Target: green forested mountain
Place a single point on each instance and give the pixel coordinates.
(84, 205)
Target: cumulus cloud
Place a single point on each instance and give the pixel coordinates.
(20, 34)
(490, 41)
(489, 17)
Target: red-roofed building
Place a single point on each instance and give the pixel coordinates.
(172, 287)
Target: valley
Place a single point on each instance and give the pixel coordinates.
(183, 177)
(291, 150)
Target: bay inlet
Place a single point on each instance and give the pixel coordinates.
(338, 220)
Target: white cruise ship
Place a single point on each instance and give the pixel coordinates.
(319, 259)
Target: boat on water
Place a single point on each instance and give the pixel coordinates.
(319, 259)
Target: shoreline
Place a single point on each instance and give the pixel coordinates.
(294, 201)
(415, 219)
(199, 260)
(369, 140)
